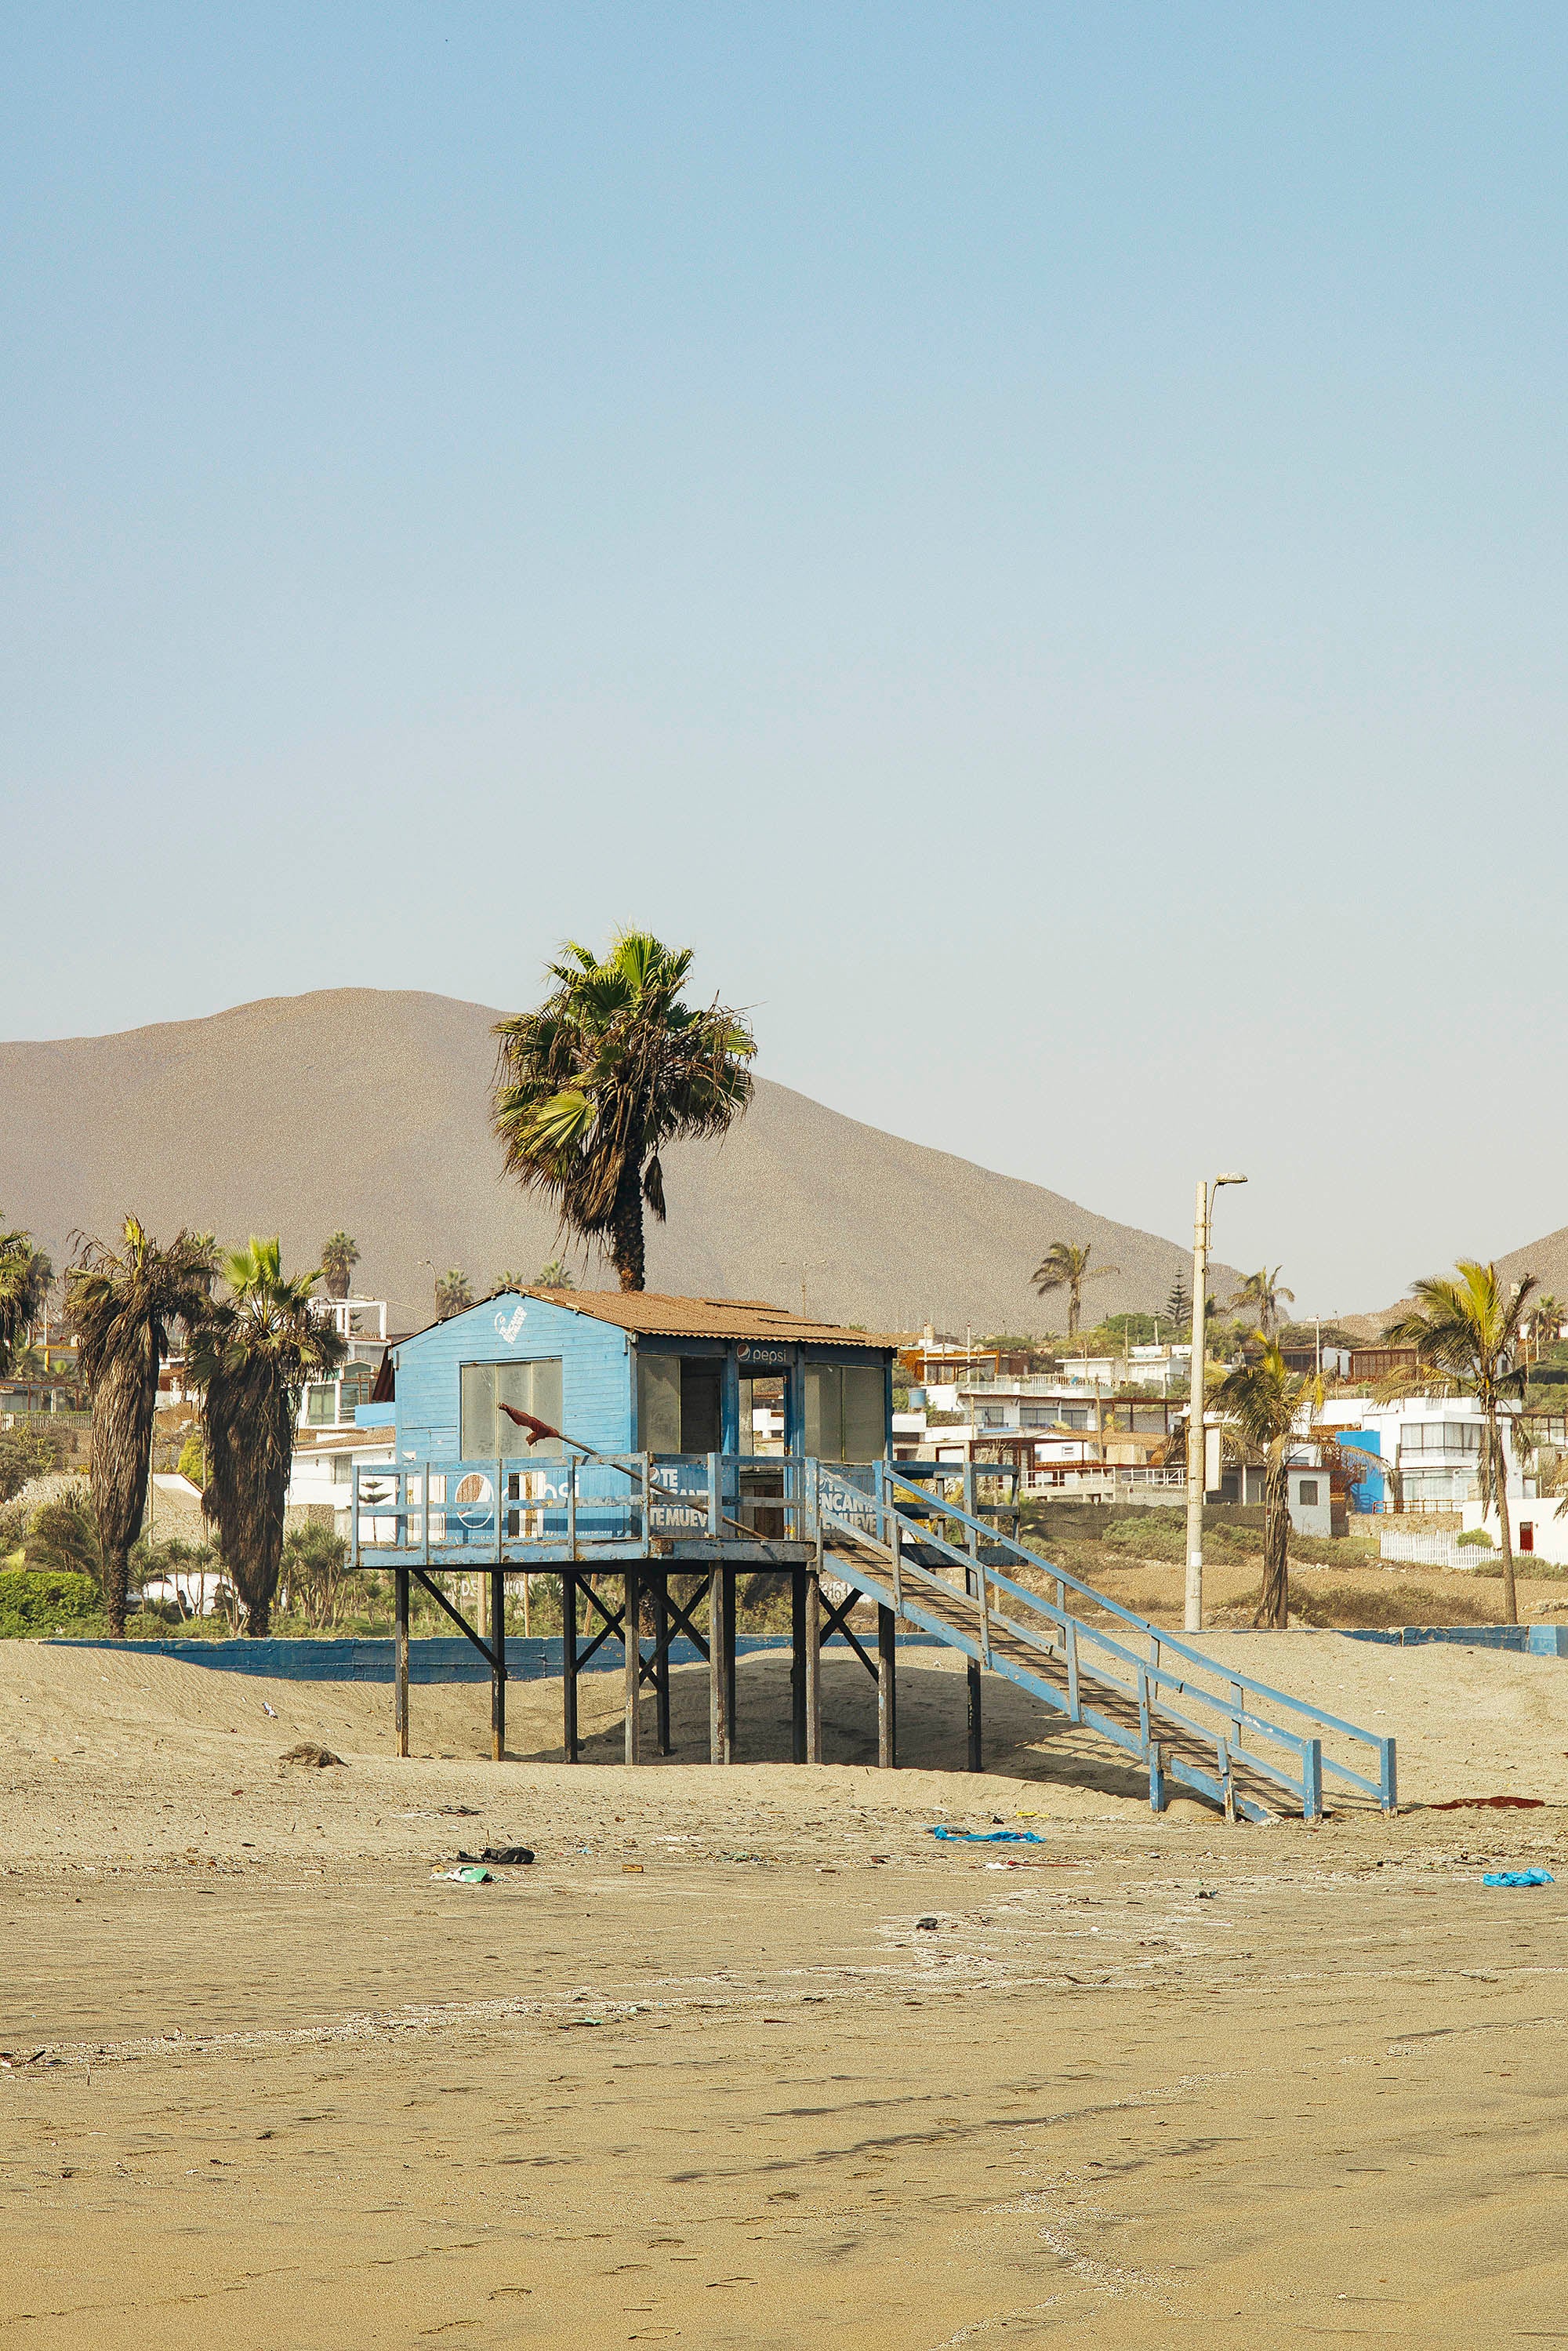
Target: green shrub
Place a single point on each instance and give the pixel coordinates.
(63, 1538)
(28, 1451)
(1477, 1537)
(34, 1604)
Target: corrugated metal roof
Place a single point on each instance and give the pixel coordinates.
(651, 1314)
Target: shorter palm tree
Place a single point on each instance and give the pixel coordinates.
(339, 1256)
(555, 1275)
(1544, 1323)
(1265, 1408)
(252, 1357)
(1065, 1265)
(1260, 1294)
(1467, 1331)
(26, 1275)
(453, 1293)
(125, 1307)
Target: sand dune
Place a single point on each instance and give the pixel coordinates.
(702, 2077)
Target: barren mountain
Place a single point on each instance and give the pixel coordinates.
(368, 1109)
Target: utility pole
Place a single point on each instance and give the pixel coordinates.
(1196, 1435)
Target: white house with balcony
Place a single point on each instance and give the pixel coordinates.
(1435, 1445)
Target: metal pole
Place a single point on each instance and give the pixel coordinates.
(1195, 1448)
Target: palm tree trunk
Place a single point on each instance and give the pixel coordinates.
(116, 1584)
(626, 1228)
(1074, 1302)
(1499, 1484)
(123, 1405)
(1274, 1599)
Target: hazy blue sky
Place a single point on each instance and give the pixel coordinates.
(1033, 536)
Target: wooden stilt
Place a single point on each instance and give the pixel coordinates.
(972, 1677)
(813, 1675)
(886, 1690)
(400, 1658)
(498, 1671)
(661, 1670)
(718, 1724)
(798, 1665)
(730, 1714)
(631, 1634)
(569, 1662)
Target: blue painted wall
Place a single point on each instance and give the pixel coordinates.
(1366, 1494)
(438, 1660)
(596, 1381)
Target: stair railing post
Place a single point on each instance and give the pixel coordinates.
(1072, 1631)
(1311, 1779)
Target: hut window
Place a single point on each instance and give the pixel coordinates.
(846, 1412)
(488, 1435)
(700, 1427)
(658, 1403)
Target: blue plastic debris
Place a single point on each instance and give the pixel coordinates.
(988, 1836)
(1518, 1877)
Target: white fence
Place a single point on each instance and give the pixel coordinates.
(1441, 1548)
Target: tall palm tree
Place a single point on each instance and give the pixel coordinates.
(611, 1066)
(251, 1355)
(453, 1293)
(1261, 1291)
(339, 1256)
(1065, 1265)
(1467, 1331)
(26, 1274)
(124, 1307)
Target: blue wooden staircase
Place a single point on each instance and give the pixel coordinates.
(942, 1569)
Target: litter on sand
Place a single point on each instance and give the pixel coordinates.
(1488, 1804)
(318, 1758)
(473, 1875)
(1518, 1877)
(988, 1836)
(502, 1857)
(928, 1923)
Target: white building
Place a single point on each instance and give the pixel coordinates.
(1433, 1442)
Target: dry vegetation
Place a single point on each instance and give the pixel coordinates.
(1135, 1559)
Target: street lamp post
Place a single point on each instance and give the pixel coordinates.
(1197, 1439)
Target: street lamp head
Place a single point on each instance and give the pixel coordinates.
(1228, 1179)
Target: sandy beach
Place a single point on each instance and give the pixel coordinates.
(699, 2076)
